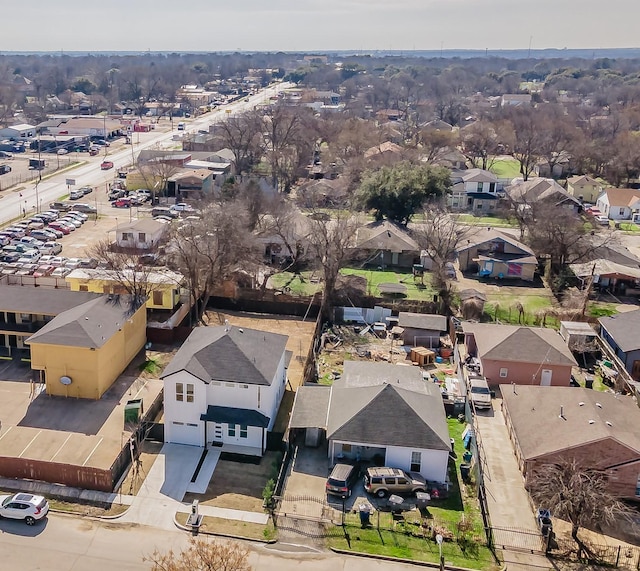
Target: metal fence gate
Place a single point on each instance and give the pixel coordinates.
(516, 538)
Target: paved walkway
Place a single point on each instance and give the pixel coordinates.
(507, 499)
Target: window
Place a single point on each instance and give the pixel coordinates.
(142, 237)
(216, 383)
(621, 213)
(230, 385)
(191, 424)
(126, 236)
(480, 185)
(179, 392)
(157, 298)
(231, 430)
(243, 431)
(416, 461)
(178, 423)
(492, 187)
(503, 373)
(189, 392)
(245, 386)
(83, 288)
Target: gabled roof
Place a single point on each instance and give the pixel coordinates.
(430, 321)
(620, 197)
(386, 147)
(484, 235)
(624, 328)
(582, 180)
(475, 175)
(88, 325)
(540, 430)
(367, 403)
(519, 344)
(602, 267)
(385, 235)
(142, 225)
(229, 353)
(537, 189)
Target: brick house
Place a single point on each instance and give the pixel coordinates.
(518, 354)
(547, 424)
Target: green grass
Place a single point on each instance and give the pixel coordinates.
(503, 307)
(493, 221)
(374, 278)
(150, 366)
(629, 227)
(601, 309)
(506, 168)
(296, 285)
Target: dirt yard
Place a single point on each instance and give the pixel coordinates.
(239, 485)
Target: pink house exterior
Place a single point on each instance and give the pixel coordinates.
(518, 354)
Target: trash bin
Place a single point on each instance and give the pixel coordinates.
(422, 500)
(467, 457)
(588, 382)
(465, 472)
(365, 515)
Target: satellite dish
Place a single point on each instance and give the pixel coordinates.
(65, 380)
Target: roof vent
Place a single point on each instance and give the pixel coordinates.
(608, 423)
(581, 403)
(240, 330)
(591, 421)
(598, 405)
(86, 318)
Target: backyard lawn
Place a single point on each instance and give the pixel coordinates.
(415, 290)
(493, 221)
(502, 307)
(506, 168)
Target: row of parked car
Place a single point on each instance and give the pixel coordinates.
(121, 198)
(29, 247)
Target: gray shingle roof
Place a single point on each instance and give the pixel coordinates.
(310, 407)
(229, 353)
(41, 301)
(90, 324)
(624, 328)
(387, 405)
(231, 415)
(535, 415)
(429, 321)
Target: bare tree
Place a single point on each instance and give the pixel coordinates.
(578, 493)
(242, 134)
(123, 268)
(206, 251)
(441, 236)
(331, 241)
(156, 172)
(203, 555)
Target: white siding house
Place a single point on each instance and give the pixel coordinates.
(224, 387)
(143, 234)
(619, 203)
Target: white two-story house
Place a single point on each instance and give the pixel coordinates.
(475, 190)
(224, 387)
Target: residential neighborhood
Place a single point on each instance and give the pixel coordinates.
(328, 302)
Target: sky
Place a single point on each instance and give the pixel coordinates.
(305, 25)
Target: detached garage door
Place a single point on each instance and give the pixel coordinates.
(185, 433)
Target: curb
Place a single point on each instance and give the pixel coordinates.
(398, 560)
(225, 535)
(89, 516)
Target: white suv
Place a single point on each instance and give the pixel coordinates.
(479, 393)
(22, 506)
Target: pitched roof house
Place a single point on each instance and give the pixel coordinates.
(520, 355)
(494, 254)
(473, 189)
(536, 190)
(224, 387)
(622, 333)
(547, 424)
(361, 418)
(584, 187)
(422, 328)
(620, 203)
(387, 244)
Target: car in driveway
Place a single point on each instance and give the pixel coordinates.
(341, 480)
(479, 393)
(26, 507)
(383, 482)
(106, 165)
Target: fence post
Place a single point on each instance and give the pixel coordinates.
(618, 555)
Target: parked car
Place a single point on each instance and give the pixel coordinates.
(52, 214)
(4, 240)
(122, 203)
(76, 194)
(73, 263)
(63, 206)
(60, 226)
(604, 220)
(93, 152)
(27, 268)
(86, 190)
(106, 165)
(79, 215)
(385, 481)
(58, 261)
(10, 268)
(83, 207)
(90, 263)
(16, 231)
(164, 211)
(71, 220)
(45, 259)
(5, 155)
(60, 272)
(117, 193)
(341, 480)
(31, 242)
(52, 248)
(479, 393)
(27, 507)
(181, 207)
(30, 257)
(62, 151)
(4, 169)
(43, 270)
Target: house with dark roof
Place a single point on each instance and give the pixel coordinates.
(474, 189)
(538, 190)
(224, 387)
(490, 253)
(23, 311)
(83, 350)
(385, 244)
(377, 412)
(622, 333)
(599, 430)
(422, 329)
(518, 354)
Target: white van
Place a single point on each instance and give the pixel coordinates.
(181, 126)
(479, 393)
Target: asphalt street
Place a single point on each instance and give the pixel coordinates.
(90, 174)
(69, 543)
